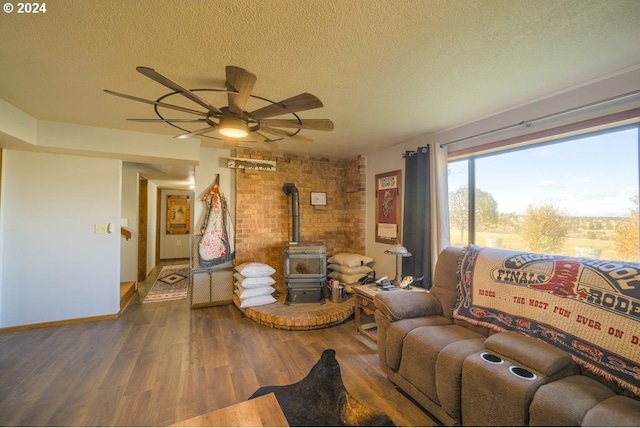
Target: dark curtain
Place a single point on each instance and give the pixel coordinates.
(416, 226)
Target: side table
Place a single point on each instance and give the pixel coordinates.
(364, 302)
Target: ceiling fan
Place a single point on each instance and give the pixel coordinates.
(232, 123)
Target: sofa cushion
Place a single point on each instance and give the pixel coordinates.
(550, 406)
(449, 373)
(445, 279)
(397, 332)
(615, 411)
(420, 351)
(477, 328)
(531, 353)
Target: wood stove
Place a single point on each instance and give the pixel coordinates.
(305, 263)
(305, 271)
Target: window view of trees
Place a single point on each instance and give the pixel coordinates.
(576, 197)
(544, 229)
(486, 209)
(626, 236)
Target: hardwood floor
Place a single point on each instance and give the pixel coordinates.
(161, 363)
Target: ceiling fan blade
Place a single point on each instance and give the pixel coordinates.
(266, 138)
(300, 102)
(169, 120)
(267, 142)
(152, 74)
(157, 103)
(270, 145)
(241, 81)
(196, 133)
(281, 133)
(229, 144)
(316, 124)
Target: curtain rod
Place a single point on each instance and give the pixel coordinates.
(423, 149)
(528, 123)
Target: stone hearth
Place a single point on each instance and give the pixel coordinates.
(301, 316)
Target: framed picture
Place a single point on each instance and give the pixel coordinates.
(178, 214)
(318, 198)
(388, 207)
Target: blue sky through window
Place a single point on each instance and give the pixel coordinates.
(593, 176)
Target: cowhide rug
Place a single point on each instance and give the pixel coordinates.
(320, 399)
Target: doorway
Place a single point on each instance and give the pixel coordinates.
(143, 185)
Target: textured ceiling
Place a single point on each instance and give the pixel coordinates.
(386, 71)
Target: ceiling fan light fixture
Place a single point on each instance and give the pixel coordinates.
(233, 127)
(233, 122)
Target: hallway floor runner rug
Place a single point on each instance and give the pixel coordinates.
(172, 284)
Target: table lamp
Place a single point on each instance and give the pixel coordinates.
(398, 251)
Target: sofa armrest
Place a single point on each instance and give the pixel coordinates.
(401, 304)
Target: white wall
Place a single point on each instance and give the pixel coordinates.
(129, 248)
(391, 159)
(16, 127)
(380, 162)
(58, 268)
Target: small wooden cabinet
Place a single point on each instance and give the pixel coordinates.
(209, 286)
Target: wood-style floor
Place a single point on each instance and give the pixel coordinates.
(162, 362)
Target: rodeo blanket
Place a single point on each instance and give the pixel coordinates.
(589, 308)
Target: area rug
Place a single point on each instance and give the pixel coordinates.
(320, 399)
(172, 284)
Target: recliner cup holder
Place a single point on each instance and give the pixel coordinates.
(491, 358)
(522, 373)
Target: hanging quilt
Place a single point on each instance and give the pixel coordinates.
(216, 244)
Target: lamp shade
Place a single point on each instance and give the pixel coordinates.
(398, 250)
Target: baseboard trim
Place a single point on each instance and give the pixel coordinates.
(59, 323)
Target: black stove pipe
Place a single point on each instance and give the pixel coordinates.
(290, 189)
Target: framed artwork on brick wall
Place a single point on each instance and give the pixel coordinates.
(388, 207)
(318, 198)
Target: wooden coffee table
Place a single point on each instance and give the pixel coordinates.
(263, 411)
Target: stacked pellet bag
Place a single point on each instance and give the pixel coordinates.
(349, 268)
(253, 284)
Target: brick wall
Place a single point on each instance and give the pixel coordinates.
(263, 210)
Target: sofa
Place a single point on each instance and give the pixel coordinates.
(475, 374)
